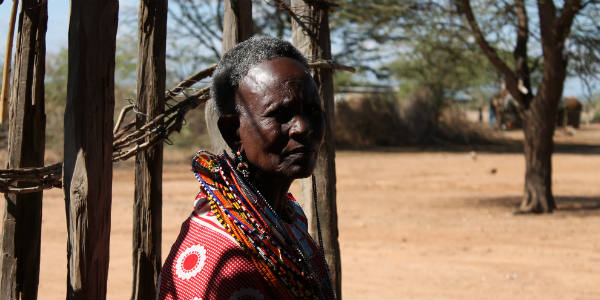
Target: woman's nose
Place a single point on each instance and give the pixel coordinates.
(300, 127)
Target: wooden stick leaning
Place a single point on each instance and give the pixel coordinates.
(7, 62)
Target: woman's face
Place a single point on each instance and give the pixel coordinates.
(281, 120)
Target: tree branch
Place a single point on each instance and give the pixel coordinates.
(510, 77)
(520, 55)
(568, 12)
(547, 13)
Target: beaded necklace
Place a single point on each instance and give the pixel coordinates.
(258, 229)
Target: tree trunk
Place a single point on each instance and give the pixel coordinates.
(147, 206)
(88, 145)
(22, 221)
(237, 27)
(538, 146)
(314, 42)
(539, 122)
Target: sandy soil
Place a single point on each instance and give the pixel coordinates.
(413, 224)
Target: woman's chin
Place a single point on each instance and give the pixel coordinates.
(291, 167)
(302, 171)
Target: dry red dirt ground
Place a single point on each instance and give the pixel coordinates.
(413, 224)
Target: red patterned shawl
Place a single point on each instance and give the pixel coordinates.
(206, 262)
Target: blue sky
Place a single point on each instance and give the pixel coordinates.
(58, 24)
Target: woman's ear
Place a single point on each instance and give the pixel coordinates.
(229, 125)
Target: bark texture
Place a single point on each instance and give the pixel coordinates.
(88, 145)
(313, 40)
(147, 206)
(537, 196)
(237, 27)
(22, 221)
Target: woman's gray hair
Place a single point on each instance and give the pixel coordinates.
(234, 65)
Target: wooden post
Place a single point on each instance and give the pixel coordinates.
(88, 145)
(316, 44)
(22, 221)
(147, 206)
(237, 27)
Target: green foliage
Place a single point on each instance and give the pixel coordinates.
(593, 104)
(418, 44)
(56, 76)
(345, 79)
(126, 60)
(193, 134)
(443, 64)
(596, 117)
(55, 86)
(125, 70)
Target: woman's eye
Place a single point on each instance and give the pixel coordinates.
(282, 115)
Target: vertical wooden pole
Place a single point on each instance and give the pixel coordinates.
(237, 23)
(237, 27)
(316, 44)
(88, 145)
(7, 62)
(147, 206)
(22, 221)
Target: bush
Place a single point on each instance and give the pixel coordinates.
(421, 117)
(194, 133)
(375, 120)
(596, 117)
(367, 121)
(453, 128)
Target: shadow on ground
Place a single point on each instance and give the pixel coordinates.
(501, 147)
(583, 206)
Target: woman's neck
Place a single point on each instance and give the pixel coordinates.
(274, 190)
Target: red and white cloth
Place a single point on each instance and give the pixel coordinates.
(206, 262)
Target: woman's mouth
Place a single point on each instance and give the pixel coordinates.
(300, 150)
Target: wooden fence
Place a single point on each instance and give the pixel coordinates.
(92, 144)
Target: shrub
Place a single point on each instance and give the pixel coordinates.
(375, 120)
(367, 120)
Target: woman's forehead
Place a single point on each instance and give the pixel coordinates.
(275, 74)
(282, 68)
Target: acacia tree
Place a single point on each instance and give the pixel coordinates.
(537, 107)
(545, 40)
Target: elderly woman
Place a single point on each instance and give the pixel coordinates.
(247, 237)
